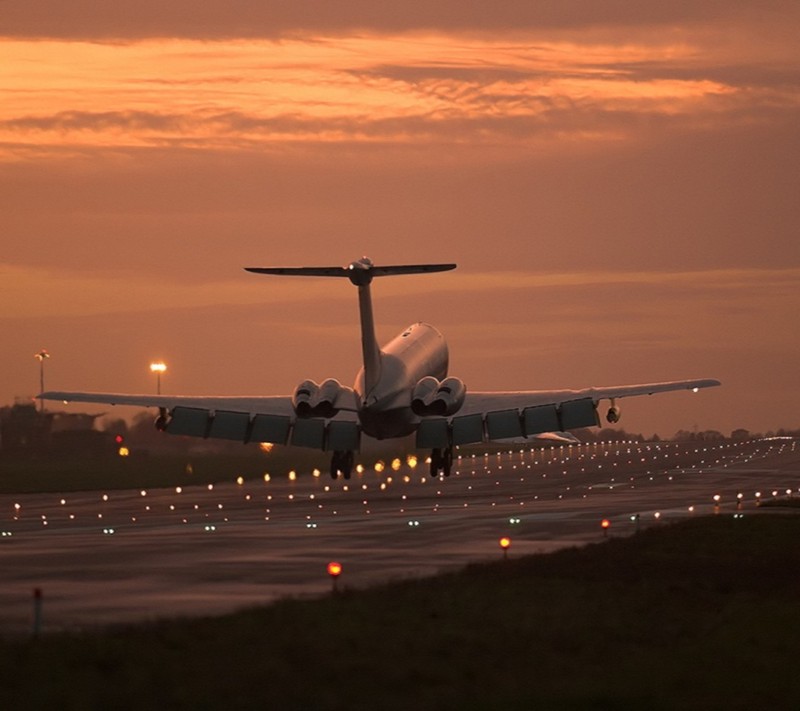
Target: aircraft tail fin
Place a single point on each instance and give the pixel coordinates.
(360, 273)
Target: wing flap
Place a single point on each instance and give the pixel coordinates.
(189, 421)
(230, 425)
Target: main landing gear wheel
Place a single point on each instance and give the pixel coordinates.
(342, 462)
(441, 461)
(161, 420)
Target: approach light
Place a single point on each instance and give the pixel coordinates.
(334, 569)
(505, 542)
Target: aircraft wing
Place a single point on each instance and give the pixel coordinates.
(487, 401)
(492, 416)
(241, 419)
(271, 405)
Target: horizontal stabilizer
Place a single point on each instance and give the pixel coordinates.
(359, 272)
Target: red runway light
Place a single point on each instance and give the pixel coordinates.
(334, 569)
(505, 542)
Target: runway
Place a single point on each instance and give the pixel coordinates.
(115, 557)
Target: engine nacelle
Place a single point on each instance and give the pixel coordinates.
(431, 397)
(313, 400)
(613, 414)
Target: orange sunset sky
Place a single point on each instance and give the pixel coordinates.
(618, 183)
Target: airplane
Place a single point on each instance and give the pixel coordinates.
(401, 389)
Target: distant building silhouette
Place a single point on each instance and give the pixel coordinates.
(26, 432)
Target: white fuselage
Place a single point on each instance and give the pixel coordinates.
(384, 409)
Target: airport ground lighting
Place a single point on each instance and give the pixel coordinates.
(158, 368)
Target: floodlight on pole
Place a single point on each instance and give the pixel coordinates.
(158, 368)
(41, 356)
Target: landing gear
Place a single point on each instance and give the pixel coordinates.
(441, 461)
(161, 420)
(342, 462)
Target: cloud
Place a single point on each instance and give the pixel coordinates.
(249, 95)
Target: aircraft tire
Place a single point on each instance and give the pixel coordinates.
(436, 463)
(447, 461)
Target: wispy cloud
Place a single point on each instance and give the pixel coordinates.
(360, 88)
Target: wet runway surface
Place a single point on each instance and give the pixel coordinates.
(126, 556)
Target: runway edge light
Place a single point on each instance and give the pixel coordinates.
(334, 570)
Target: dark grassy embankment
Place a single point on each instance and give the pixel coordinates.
(702, 614)
(69, 473)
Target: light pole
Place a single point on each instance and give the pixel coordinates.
(158, 368)
(41, 356)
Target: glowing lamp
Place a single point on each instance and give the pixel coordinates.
(605, 523)
(334, 569)
(159, 369)
(505, 543)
